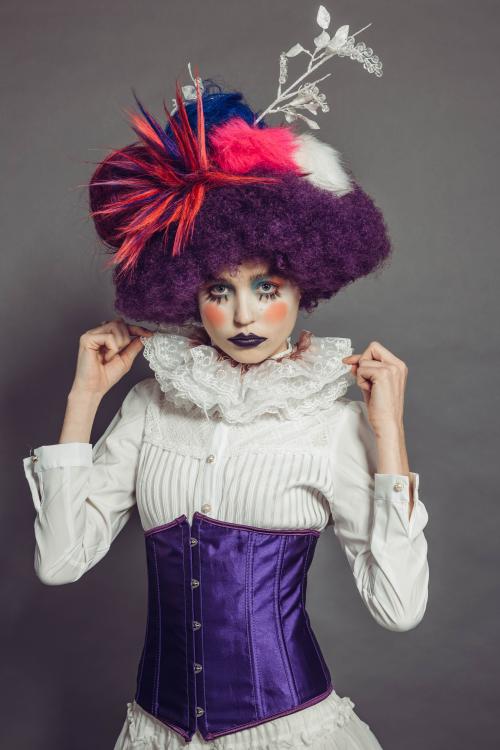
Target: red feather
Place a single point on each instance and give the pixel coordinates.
(158, 189)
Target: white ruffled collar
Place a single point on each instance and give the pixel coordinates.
(302, 379)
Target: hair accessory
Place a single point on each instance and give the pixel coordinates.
(282, 196)
(307, 95)
(189, 92)
(165, 179)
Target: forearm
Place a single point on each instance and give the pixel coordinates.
(79, 417)
(393, 457)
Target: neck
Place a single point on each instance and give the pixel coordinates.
(246, 365)
(285, 349)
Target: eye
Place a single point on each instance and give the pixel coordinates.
(271, 294)
(216, 297)
(214, 293)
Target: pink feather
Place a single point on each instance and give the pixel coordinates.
(238, 147)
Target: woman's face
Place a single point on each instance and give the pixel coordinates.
(250, 302)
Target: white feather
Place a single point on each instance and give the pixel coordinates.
(324, 164)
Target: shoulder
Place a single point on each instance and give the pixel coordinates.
(356, 414)
(355, 408)
(139, 396)
(353, 442)
(350, 421)
(345, 409)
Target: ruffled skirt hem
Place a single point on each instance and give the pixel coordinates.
(331, 724)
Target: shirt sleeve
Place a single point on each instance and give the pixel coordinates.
(386, 550)
(83, 497)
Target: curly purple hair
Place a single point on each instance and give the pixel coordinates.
(318, 240)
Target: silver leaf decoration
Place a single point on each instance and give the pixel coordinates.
(295, 50)
(323, 17)
(300, 95)
(322, 40)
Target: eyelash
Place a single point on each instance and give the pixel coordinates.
(266, 295)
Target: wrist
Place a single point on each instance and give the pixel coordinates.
(391, 449)
(88, 399)
(81, 408)
(390, 431)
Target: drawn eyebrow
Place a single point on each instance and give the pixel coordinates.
(221, 280)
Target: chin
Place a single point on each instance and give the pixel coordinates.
(247, 356)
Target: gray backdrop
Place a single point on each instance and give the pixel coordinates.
(423, 141)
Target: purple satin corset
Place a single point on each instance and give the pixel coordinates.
(228, 641)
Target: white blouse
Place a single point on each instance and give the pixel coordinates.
(277, 446)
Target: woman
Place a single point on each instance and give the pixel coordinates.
(242, 448)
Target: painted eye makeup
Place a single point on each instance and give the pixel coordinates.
(216, 297)
(272, 294)
(262, 295)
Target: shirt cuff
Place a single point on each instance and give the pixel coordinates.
(395, 489)
(59, 455)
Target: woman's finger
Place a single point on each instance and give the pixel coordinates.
(140, 331)
(376, 350)
(109, 326)
(119, 331)
(96, 341)
(131, 351)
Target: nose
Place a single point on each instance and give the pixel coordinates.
(243, 313)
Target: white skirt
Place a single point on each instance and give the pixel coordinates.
(331, 724)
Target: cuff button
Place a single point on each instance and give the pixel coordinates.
(398, 486)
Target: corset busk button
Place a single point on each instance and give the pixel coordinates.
(194, 583)
(197, 667)
(199, 711)
(193, 541)
(196, 625)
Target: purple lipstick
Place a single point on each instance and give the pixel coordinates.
(246, 340)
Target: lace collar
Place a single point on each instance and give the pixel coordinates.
(304, 378)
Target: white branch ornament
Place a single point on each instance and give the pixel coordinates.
(189, 92)
(307, 96)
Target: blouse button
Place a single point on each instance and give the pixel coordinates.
(210, 458)
(34, 458)
(197, 667)
(398, 486)
(199, 711)
(194, 583)
(206, 508)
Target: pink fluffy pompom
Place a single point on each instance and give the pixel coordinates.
(238, 147)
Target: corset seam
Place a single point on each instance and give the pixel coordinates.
(250, 629)
(158, 636)
(279, 628)
(306, 616)
(185, 622)
(202, 620)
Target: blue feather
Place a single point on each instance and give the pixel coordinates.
(218, 107)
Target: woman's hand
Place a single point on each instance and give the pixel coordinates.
(105, 354)
(382, 379)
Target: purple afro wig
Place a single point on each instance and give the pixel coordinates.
(319, 240)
